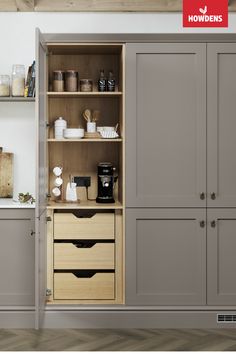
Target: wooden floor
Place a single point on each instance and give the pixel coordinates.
(118, 340)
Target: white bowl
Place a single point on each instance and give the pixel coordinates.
(105, 129)
(73, 133)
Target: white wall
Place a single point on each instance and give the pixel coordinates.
(17, 46)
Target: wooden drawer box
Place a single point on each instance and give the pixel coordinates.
(74, 256)
(69, 226)
(68, 286)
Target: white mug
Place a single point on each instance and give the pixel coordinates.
(56, 192)
(57, 171)
(58, 181)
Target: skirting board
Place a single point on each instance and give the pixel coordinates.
(17, 319)
(134, 319)
(115, 319)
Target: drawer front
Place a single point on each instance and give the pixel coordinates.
(69, 226)
(73, 256)
(68, 286)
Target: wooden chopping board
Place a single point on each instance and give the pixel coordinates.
(6, 174)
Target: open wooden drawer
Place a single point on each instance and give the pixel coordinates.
(84, 285)
(99, 225)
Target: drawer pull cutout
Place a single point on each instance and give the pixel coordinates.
(84, 244)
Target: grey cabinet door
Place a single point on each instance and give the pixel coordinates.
(165, 257)
(165, 125)
(221, 108)
(41, 182)
(221, 259)
(16, 257)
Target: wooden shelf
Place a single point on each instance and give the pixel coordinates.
(17, 99)
(84, 94)
(85, 204)
(85, 140)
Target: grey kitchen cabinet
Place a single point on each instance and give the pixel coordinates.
(17, 257)
(166, 125)
(221, 128)
(166, 257)
(221, 260)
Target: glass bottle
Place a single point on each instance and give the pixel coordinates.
(18, 80)
(102, 82)
(111, 82)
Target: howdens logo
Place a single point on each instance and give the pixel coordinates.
(205, 13)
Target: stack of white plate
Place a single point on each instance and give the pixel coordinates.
(73, 133)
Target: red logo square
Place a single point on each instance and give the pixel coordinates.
(205, 13)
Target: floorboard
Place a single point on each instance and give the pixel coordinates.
(118, 340)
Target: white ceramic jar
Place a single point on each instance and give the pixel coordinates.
(59, 125)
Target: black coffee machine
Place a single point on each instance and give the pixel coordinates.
(106, 181)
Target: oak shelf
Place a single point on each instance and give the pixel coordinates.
(84, 94)
(85, 204)
(118, 140)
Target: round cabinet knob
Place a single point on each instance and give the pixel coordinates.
(202, 223)
(213, 223)
(213, 196)
(202, 196)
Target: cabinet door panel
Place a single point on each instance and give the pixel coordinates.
(165, 257)
(166, 125)
(221, 260)
(16, 258)
(221, 80)
(41, 182)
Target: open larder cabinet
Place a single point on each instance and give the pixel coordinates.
(84, 240)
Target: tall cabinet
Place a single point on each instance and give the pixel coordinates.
(181, 104)
(168, 240)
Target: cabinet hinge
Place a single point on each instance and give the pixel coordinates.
(48, 292)
(48, 218)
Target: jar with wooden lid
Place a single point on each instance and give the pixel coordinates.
(4, 85)
(18, 80)
(71, 80)
(58, 80)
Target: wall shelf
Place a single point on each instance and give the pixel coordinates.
(17, 99)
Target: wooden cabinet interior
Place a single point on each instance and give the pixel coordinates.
(80, 157)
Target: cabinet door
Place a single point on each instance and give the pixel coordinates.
(16, 258)
(41, 182)
(166, 125)
(165, 257)
(221, 259)
(221, 142)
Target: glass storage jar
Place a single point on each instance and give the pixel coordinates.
(4, 85)
(71, 80)
(58, 80)
(18, 80)
(86, 85)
